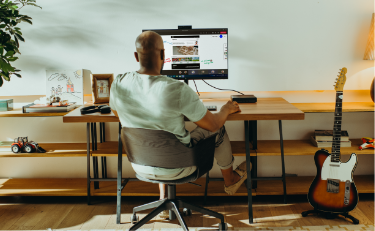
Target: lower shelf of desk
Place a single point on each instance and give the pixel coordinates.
(77, 187)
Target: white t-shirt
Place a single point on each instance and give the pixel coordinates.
(158, 103)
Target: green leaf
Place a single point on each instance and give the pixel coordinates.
(7, 78)
(2, 25)
(16, 40)
(20, 37)
(12, 59)
(27, 20)
(18, 75)
(9, 53)
(1, 81)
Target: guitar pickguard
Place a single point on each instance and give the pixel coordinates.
(339, 171)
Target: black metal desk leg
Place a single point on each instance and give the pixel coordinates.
(253, 138)
(105, 158)
(88, 163)
(282, 158)
(249, 185)
(94, 159)
(119, 177)
(96, 184)
(101, 141)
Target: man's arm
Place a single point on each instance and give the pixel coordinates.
(213, 122)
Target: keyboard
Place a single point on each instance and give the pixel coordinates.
(211, 108)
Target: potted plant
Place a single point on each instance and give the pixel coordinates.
(10, 35)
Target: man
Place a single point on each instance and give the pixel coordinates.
(146, 99)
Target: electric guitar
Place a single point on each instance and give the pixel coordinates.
(333, 189)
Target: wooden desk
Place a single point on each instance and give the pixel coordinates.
(265, 109)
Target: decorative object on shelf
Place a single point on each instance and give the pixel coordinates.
(6, 104)
(367, 143)
(101, 86)
(10, 18)
(333, 191)
(65, 84)
(370, 51)
(21, 144)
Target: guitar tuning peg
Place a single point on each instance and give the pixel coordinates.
(337, 78)
(340, 69)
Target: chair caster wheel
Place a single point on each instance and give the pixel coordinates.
(134, 218)
(223, 226)
(186, 212)
(304, 214)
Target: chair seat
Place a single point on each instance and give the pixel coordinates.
(192, 177)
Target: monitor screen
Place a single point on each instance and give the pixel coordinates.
(195, 53)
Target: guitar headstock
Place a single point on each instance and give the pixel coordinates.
(339, 86)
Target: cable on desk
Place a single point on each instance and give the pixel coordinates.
(222, 89)
(196, 87)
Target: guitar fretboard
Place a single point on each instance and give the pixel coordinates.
(335, 156)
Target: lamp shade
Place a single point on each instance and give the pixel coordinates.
(369, 53)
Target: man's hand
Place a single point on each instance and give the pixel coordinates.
(213, 122)
(231, 107)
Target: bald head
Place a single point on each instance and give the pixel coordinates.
(150, 49)
(149, 41)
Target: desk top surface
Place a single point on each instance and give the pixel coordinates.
(264, 109)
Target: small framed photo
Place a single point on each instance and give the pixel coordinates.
(101, 86)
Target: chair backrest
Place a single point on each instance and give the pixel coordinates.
(159, 148)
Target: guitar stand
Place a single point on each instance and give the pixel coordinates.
(329, 215)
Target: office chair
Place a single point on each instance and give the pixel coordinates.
(162, 149)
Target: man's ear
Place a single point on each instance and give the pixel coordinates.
(136, 56)
(162, 54)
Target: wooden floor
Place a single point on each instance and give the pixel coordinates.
(41, 213)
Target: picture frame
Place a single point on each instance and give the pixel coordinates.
(101, 87)
(65, 84)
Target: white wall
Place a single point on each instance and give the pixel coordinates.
(273, 45)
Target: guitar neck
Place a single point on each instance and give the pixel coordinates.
(335, 157)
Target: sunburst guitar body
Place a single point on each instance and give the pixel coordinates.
(333, 189)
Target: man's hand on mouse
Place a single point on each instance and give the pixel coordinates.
(232, 107)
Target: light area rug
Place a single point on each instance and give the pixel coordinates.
(359, 227)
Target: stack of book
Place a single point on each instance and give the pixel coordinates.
(324, 138)
(47, 108)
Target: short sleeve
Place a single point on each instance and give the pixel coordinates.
(113, 94)
(190, 104)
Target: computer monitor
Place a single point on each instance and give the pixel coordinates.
(195, 53)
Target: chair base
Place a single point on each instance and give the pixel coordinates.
(173, 205)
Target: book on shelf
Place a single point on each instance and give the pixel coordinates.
(327, 135)
(328, 144)
(47, 108)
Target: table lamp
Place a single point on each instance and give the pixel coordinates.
(369, 53)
